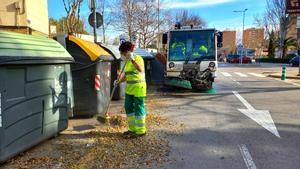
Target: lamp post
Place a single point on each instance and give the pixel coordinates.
(92, 6)
(158, 25)
(244, 12)
(95, 21)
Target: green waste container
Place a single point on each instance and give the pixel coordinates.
(91, 76)
(35, 91)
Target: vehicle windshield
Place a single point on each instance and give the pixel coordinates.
(192, 45)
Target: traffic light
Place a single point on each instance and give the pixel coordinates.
(165, 38)
(220, 39)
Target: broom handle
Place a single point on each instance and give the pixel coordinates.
(114, 88)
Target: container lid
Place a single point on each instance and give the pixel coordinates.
(112, 49)
(144, 53)
(18, 48)
(93, 50)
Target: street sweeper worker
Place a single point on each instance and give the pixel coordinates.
(135, 91)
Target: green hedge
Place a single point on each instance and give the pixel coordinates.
(273, 60)
(276, 60)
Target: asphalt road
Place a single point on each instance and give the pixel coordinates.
(250, 122)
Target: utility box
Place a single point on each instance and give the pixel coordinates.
(36, 93)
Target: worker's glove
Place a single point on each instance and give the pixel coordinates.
(130, 56)
(116, 82)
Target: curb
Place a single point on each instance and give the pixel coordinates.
(287, 77)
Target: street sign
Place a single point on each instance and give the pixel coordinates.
(99, 20)
(134, 38)
(292, 6)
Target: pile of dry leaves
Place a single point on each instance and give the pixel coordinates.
(104, 147)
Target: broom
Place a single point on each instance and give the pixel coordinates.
(105, 119)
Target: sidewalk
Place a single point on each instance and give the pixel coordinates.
(90, 144)
(290, 74)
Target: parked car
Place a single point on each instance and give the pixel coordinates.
(295, 61)
(237, 59)
(231, 57)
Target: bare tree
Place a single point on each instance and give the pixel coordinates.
(276, 20)
(143, 18)
(72, 8)
(186, 19)
(138, 18)
(61, 25)
(277, 16)
(147, 22)
(124, 17)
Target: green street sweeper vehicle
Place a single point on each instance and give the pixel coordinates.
(191, 56)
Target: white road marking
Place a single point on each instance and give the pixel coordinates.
(262, 117)
(240, 74)
(256, 74)
(235, 81)
(247, 157)
(226, 74)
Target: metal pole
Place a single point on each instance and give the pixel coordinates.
(95, 21)
(243, 36)
(243, 50)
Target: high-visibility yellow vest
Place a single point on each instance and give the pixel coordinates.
(136, 82)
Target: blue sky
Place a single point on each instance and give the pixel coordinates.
(217, 13)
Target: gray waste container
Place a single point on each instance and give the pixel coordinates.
(148, 58)
(35, 91)
(158, 72)
(91, 76)
(116, 68)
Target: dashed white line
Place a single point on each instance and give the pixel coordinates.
(235, 81)
(226, 74)
(256, 74)
(240, 74)
(247, 157)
